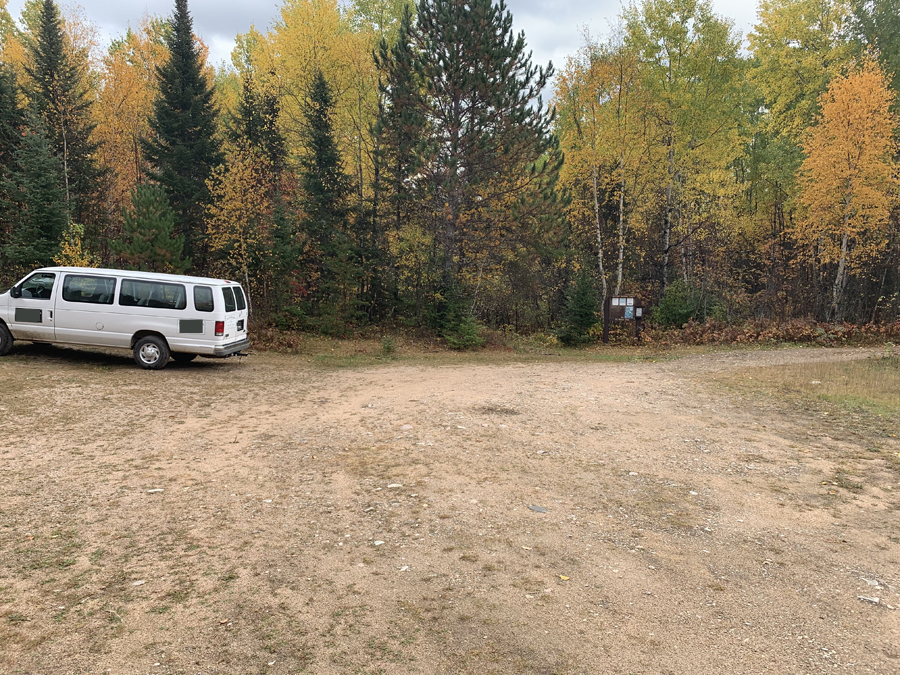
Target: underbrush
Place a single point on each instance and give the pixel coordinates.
(767, 332)
(387, 341)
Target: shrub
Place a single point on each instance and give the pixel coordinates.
(678, 305)
(463, 334)
(580, 314)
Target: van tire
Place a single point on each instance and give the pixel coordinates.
(151, 353)
(6, 340)
(182, 357)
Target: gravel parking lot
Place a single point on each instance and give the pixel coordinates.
(271, 516)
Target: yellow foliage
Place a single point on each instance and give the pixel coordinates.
(124, 104)
(849, 178)
(318, 35)
(240, 223)
(71, 249)
(799, 46)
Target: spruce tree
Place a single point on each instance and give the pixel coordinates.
(11, 125)
(326, 193)
(255, 123)
(148, 241)
(182, 148)
(58, 89)
(580, 313)
(401, 125)
(34, 187)
(12, 122)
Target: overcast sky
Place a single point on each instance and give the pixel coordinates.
(552, 27)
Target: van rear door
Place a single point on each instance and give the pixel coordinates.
(243, 312)
(236, 314)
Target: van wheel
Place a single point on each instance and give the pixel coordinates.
(181, 357)
(6, 339)
(151, 353)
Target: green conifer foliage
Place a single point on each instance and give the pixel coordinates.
(332, 254)
(12, 119)
(60, 92)
(255, 123)
(11, 124)
(401, 123)
(182, 147)
(34, 189)
(580, 313)
(148, 241)
(490, 154)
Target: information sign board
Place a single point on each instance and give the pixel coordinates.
(622, 308)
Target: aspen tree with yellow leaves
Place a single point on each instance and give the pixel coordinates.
(240, 217)
(849, 179)
(123, 108)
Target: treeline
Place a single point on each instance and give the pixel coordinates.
(388, 162)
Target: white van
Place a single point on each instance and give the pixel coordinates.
(154, 315)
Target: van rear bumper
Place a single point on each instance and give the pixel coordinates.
(232, 348)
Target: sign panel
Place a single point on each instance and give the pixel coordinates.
(623, 307)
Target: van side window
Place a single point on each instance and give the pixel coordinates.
(38, 286)
(203, 299)
(239, 298)
(229, 299)
(92, 290)
(152, 294)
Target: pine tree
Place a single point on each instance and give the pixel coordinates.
(148, 241)
(59, 90)
(182, 147)
(326, 195)
(490, 155)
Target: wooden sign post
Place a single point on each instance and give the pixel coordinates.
(622, 308)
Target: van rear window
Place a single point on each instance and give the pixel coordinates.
(152, 294)
(239, 299)
(229, 300)
(93, 290)
(203, 299)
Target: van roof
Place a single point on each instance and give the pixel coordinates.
(150, 276)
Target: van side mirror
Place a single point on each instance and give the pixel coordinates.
(15, 292)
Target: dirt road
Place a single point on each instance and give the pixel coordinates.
(556, 518)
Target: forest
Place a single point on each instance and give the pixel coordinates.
(383, 162)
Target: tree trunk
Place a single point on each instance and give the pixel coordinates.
(599, 233)
(840, 279)
(667, 225)
(621, 261)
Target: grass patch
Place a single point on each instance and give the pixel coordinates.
(365, 352)
(865, 386)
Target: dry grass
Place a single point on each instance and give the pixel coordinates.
(855, 400)
(870, 385)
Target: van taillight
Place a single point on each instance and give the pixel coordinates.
(220, 328)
